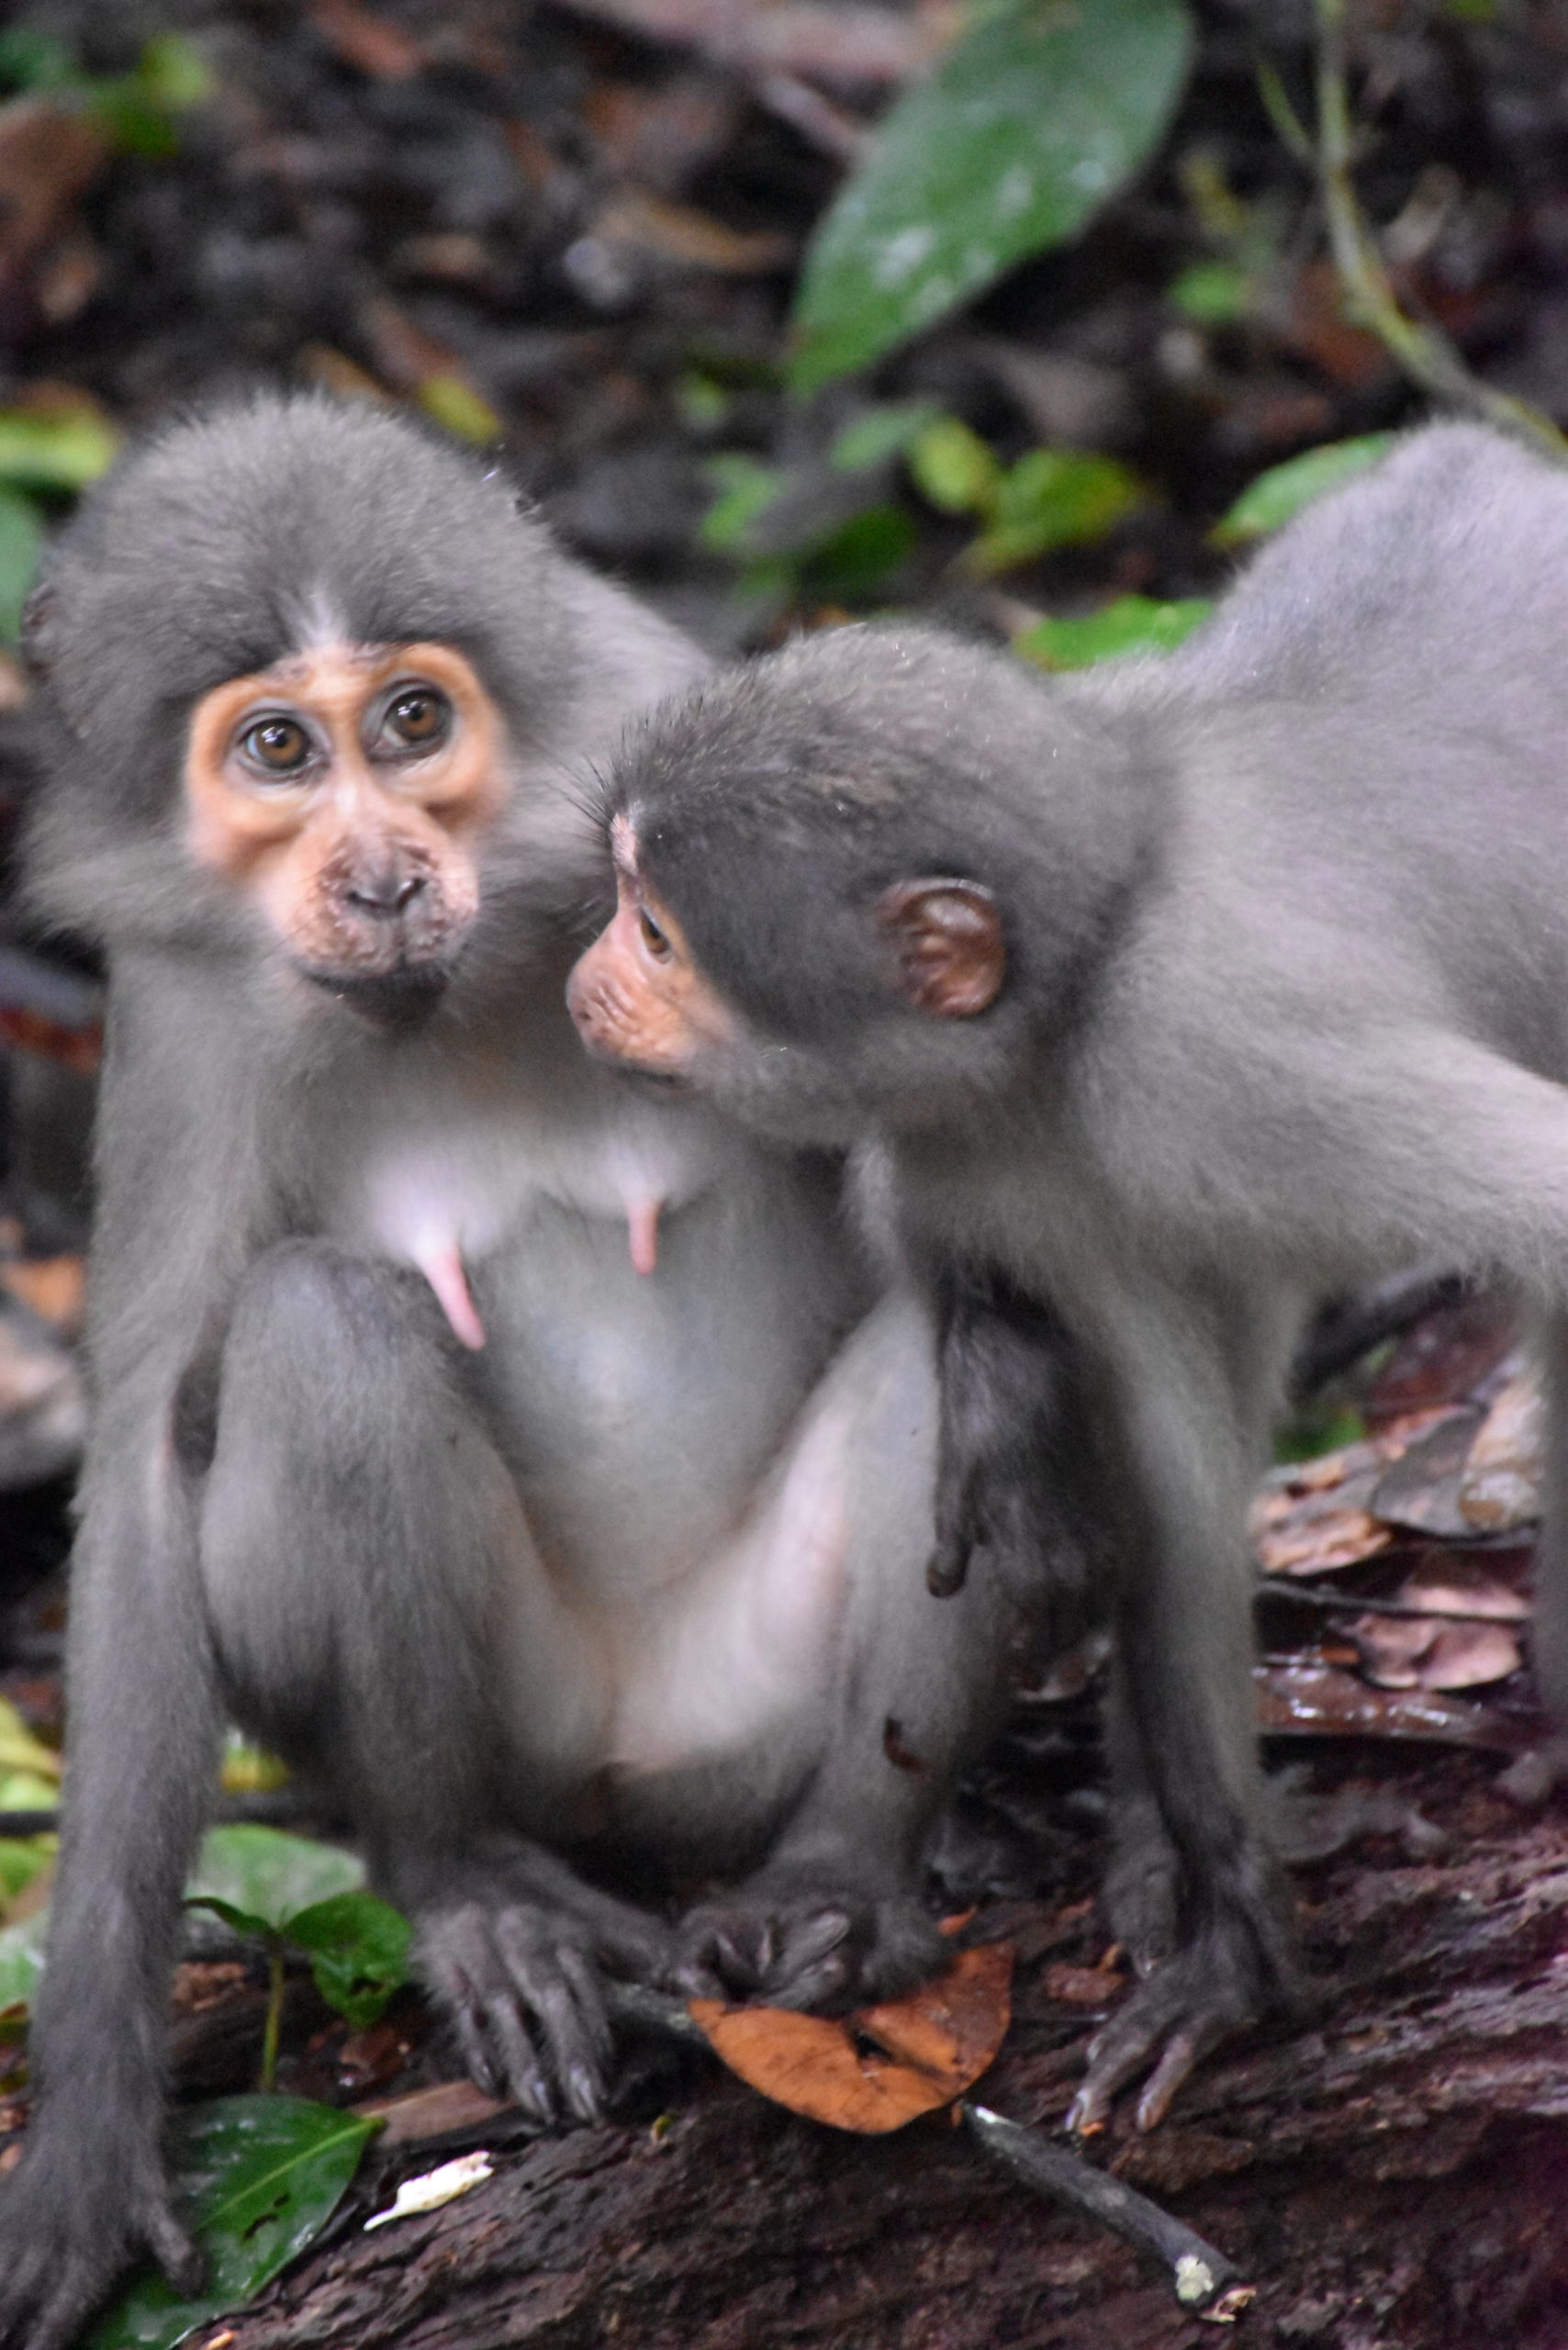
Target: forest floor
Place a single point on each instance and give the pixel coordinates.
(575, 231)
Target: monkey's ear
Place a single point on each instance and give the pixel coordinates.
(952, 957)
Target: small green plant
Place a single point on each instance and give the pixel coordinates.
(1050, 497)
(291, 1894)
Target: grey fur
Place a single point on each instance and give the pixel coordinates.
(649, 1563)
(1288, 1006)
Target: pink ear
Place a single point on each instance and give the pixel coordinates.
(952, 957)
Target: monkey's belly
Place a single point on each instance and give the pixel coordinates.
(734, 1665)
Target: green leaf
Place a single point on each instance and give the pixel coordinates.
(21, 544)
(1038, 113)
(1284, 490)
(34, 61)
(20, 1751)
(21, 1960)
(954, 469)
(261, 2176)
(269, 1876)
(746, 488)
(1211, 293)
(457, 407)
(359, 1953)
(859, 556)
(1053, 498)
(878, 434)
(54, 448)
(1132, 624)
(21, 1857)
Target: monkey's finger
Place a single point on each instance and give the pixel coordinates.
(566, 2001)
(475, 2055)
(947, 1571)
(1181, 2053)
(171, 2248)
(816, 1961)
(526, 2076)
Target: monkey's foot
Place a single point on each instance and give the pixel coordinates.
(523, 1983)
(80, 2210)
(1140, 1897)
(799, 1938)
(1171, 2022)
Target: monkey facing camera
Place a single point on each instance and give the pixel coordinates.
(527, 1458)
(1160, 1001)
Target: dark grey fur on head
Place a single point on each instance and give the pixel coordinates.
(772, 806)
(233, 537)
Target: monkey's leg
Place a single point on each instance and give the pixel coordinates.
(361, 1547)
(912, 1684)
(90, 2194)
(1189, 1770)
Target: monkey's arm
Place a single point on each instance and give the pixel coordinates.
(1169, 1365)
(1015, 1476)
(90, 2192)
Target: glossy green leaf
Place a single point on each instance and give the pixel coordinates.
(1038, 113)
(1053, 498)
(260, 2176)
(1284, 490)
(359, 1953)
(1132, 624)
(21, 544)
(954, 469)
(270, 1876)
(54, 448)
(21, 1858)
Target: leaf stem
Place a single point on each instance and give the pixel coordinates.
(274, 2011)
(1424, 351)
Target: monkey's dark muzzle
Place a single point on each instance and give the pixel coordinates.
(398, 1000)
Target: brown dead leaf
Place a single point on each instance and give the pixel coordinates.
(369, 43)
(429, 2113)
(1501, 1484)
(1322, 1701)
(50, 155)
(654, 227)
(882, 2067)
(1432, 1652)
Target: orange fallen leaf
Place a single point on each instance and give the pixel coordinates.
(881, 2067)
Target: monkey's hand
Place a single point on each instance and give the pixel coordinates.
(522, 1980)
(1228, 1975)
(84, 2205)
(803, 1937)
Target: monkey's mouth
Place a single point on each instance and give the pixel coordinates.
(400, 999)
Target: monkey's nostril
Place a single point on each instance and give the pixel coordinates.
(384, 894)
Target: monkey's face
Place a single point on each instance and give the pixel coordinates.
(637, 994)
(344, 791)
(933, 954)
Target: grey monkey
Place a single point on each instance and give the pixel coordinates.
(1162, 1001)
(531, 1461)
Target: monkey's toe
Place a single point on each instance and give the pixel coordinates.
(807, 1943)
(1169, 2022)
(527, 2000)
(65, 2242)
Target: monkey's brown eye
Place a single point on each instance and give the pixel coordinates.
(277, 745)
(419, 717)
(653, 938)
